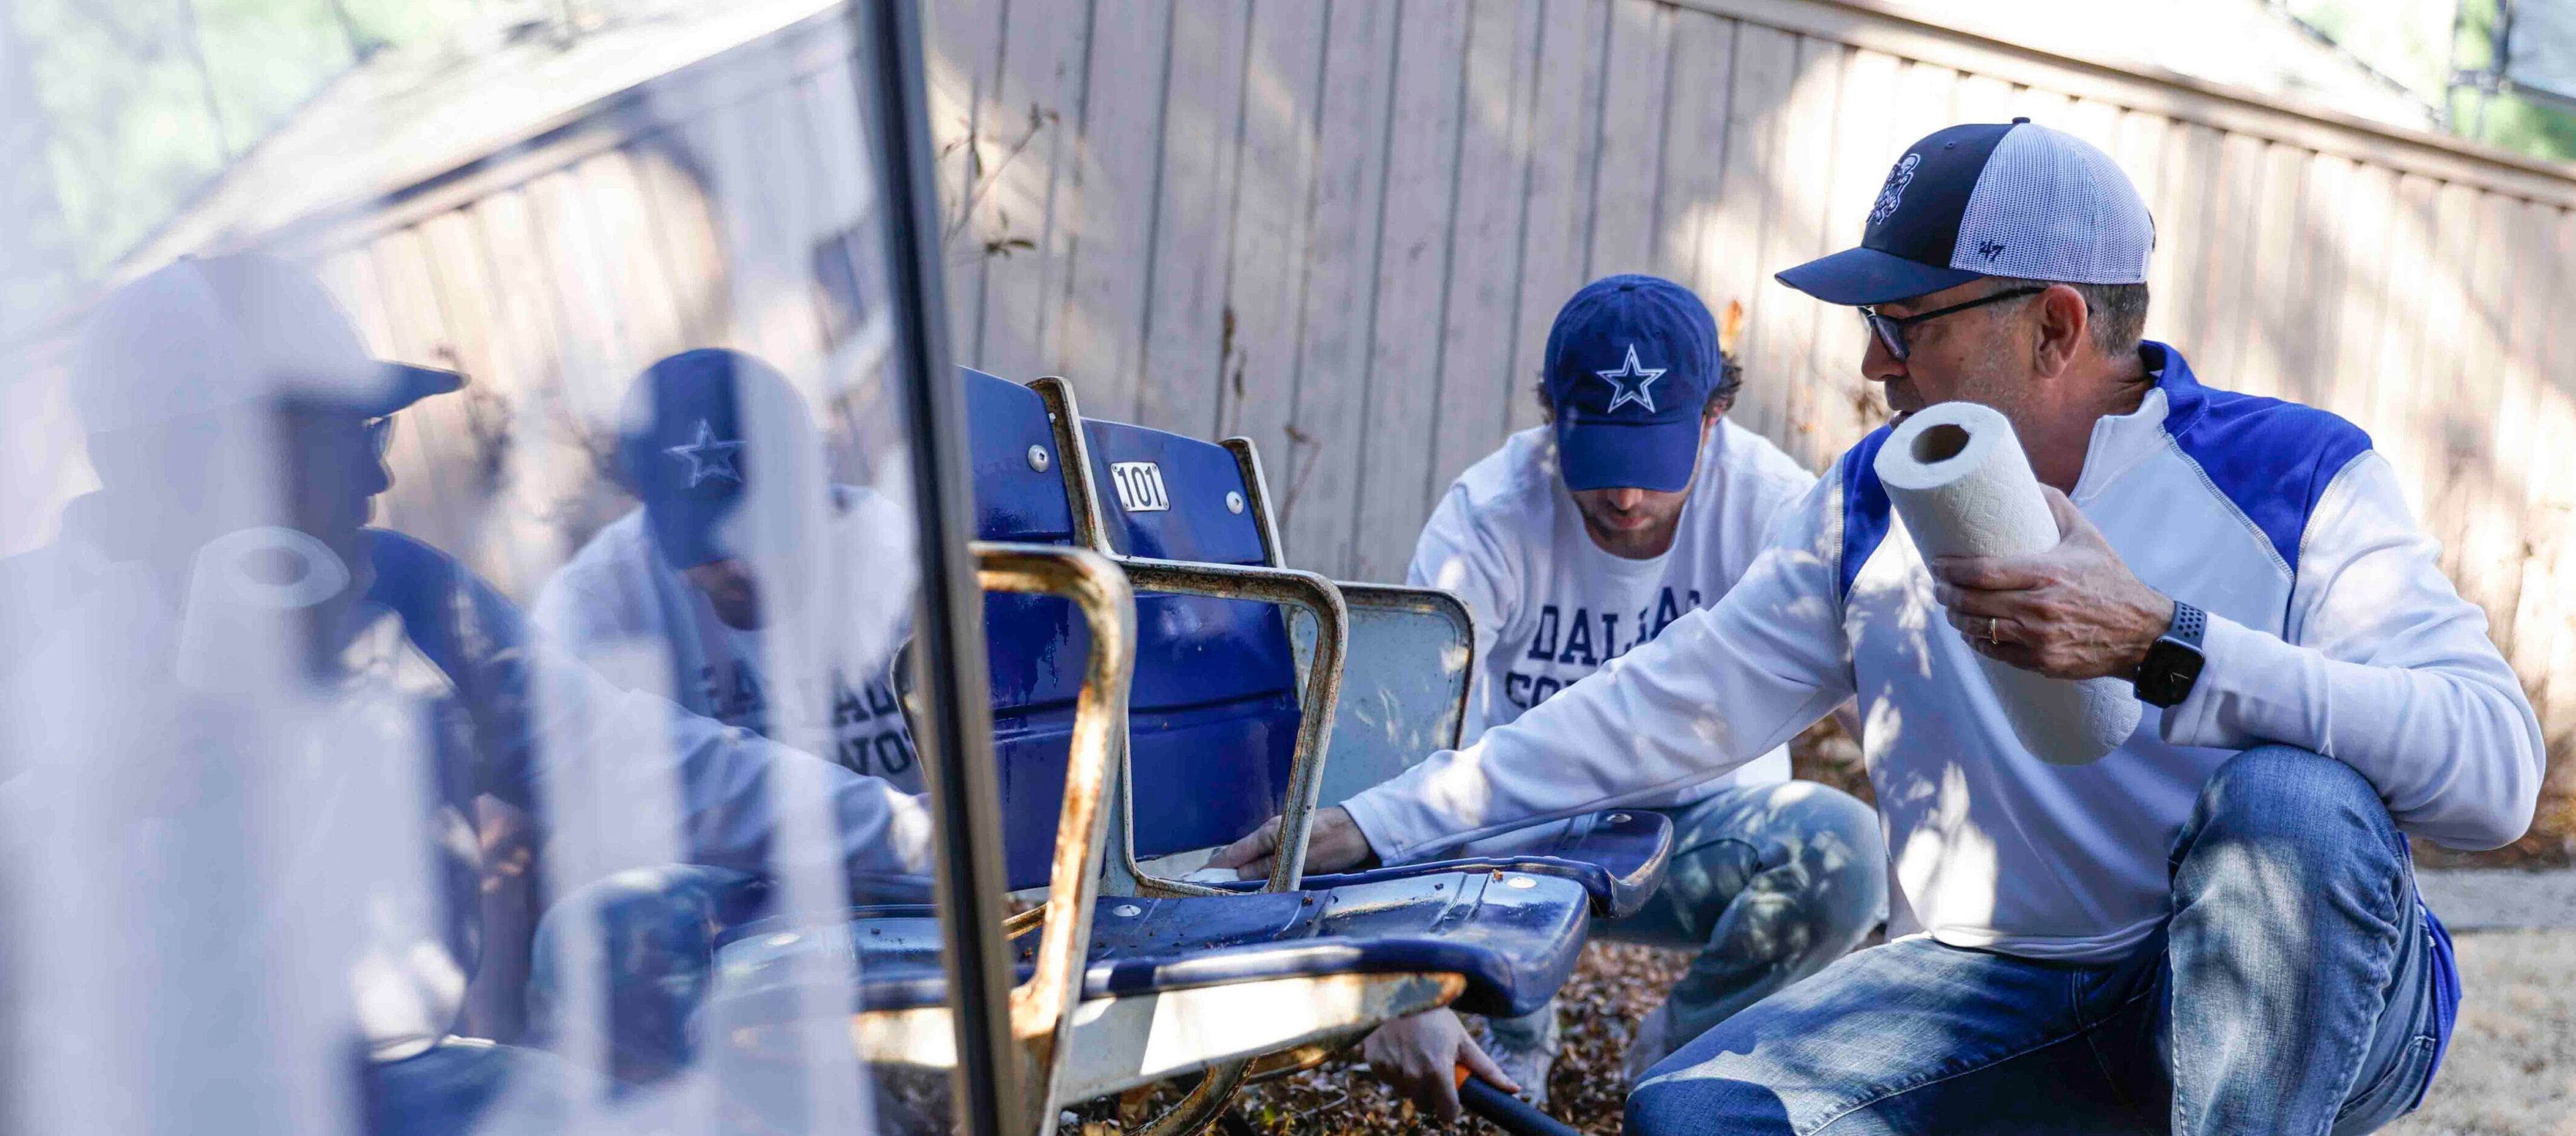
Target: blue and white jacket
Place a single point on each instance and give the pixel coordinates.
(2331, 628)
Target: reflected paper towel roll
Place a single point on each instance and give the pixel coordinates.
(1957, 474)
(236, 637)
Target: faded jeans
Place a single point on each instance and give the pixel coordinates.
(2293, 990)
(1769, 883)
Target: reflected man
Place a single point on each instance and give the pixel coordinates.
(676, 575)
(238, 430)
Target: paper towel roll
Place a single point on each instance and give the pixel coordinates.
(238, 634)
(1958, 476)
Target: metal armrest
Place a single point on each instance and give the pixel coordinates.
(1317, 596)
(1042, 1008)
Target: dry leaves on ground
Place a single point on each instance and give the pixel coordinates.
(1613, 986)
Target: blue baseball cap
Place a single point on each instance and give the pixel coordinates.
(686, 447)
(1990, 199)
(1630, 364)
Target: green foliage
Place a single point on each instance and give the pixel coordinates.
(135, 104)
(2539, 127)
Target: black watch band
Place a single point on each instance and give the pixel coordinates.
(2173, 662)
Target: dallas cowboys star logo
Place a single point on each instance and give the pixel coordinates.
(708, 456)
(1628, 383)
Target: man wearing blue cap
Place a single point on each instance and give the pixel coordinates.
(1582, 540)
(676, 576)
(223, 596)
(2212, 929)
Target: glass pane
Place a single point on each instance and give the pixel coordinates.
(457, 538)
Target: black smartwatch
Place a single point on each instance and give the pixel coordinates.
(2174, 662)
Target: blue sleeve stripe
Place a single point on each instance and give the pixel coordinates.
(2272, 459)
(1864, 509)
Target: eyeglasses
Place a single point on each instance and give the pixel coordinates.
(1891, 329)
(380, 434)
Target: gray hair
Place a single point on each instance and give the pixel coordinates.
(2117, 312)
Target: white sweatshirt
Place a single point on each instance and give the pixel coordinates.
(1551, 607)
(2331, 628)
(620, 607)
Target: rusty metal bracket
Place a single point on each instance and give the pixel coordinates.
(1042, 1009)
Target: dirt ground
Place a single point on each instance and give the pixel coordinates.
(2512, 1064)
(2511, 1070)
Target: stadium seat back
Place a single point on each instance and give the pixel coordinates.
(1215, 697)
(1034, 646)
(1213, 712)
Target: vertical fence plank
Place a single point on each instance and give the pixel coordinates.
(2549, 580)
(2230, 233)
(1274, 204)
(2444, 368)
(1113, 244)
(2350, 361)
(1342, 285)
(1864, 150)
(1565, 139)
(1401, 392)
(1735, 264)
(1695, 147)
(1185, 304)
(2274, 295)
(2177, 310)
(1633, 105)
(1045, 62)
(1783, 350)
(437, 503)
(1927, 99)
(1476, 377)
(965, 55)
(2483, 448)
(1984, 98)
(2401, 340)
(2094, 121)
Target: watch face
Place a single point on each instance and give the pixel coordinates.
(2170, 670)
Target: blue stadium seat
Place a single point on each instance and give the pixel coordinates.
(1222, 734)
(1404, 685)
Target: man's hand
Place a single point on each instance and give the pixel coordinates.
(1334, 844)
(2072, 612)
(1419, 1055)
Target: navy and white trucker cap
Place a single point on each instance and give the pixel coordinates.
(205, 333)
(1988, 199)
(1630, 363)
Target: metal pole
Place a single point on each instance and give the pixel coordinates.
(956, 726)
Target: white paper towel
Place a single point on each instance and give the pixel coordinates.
(1958, 476)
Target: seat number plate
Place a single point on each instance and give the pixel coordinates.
(1140, 487)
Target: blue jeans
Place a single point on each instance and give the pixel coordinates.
(2293, 990)
(1769, 883)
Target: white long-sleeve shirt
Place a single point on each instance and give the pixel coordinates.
(1550, 606)
(2331, 628)
(620, 608)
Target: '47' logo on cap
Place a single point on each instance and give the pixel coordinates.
(1140, 487)
(1894, 191)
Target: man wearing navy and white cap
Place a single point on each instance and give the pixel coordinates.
(667, 599)
(224, 586)
(2212, 929)
(1581, 540)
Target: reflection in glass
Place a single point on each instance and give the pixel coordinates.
(392, 747)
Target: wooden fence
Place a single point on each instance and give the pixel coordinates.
(1342, 228)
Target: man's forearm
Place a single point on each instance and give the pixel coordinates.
(2448, 741)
